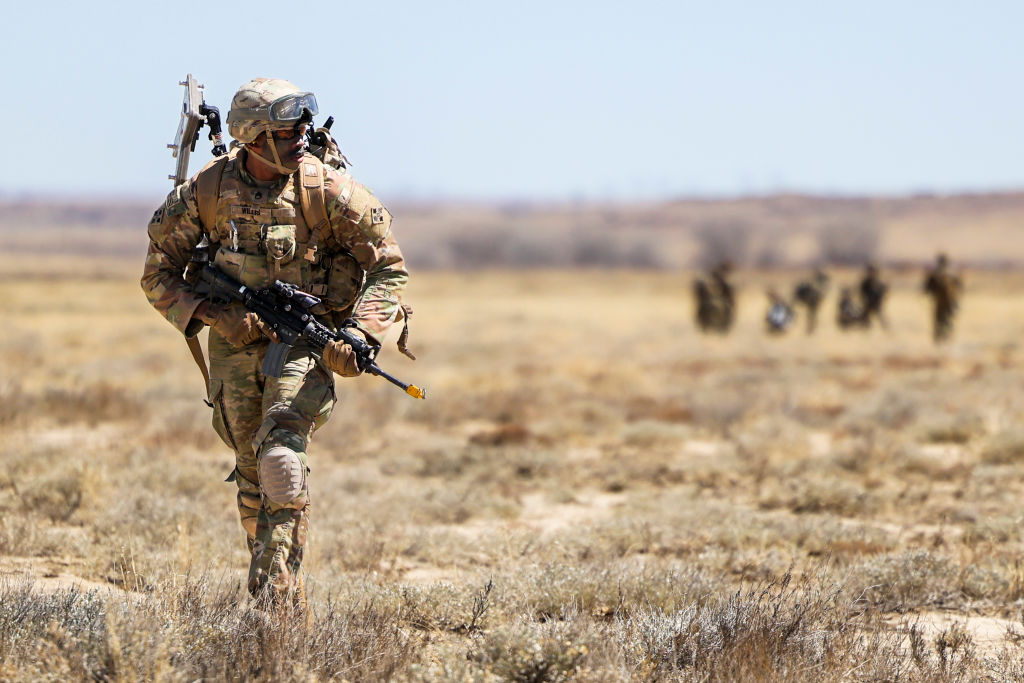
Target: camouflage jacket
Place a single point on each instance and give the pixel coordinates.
(259, 232)
(943, 286)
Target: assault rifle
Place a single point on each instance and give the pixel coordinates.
(288, 311)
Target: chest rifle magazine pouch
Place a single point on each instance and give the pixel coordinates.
(280, 244)
(251, 270)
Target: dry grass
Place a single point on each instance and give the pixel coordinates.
(591, 492)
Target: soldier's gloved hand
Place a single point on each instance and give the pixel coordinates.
(237, 325)
(266, 329)
(340, 358)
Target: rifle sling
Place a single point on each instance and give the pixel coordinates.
(197, 356)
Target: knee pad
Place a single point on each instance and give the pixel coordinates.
(282, 474)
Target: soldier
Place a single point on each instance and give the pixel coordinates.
(872, 296)
(716, 300)
(810, 293)
(780, 314)
(850, 312)
(270, 210)
(944, 287)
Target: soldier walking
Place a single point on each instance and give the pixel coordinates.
(715, 299)
(810, 293)
(944, 287)
(849, 311)
(271, 211)
(872, 291)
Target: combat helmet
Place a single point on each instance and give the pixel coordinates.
(266, 104)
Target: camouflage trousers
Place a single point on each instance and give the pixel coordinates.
(942, 322)
(252, 413)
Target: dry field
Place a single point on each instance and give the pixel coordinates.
(592, 491)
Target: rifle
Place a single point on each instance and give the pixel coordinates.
(288, 311)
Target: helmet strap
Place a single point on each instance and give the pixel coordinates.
(275, 163)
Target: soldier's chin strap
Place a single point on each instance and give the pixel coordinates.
(276, 165)
(276, 162)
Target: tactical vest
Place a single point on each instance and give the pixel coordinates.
(260, 234)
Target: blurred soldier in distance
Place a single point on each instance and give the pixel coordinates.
(715, 300)
(872, 296)
(780, 314)
(849, 312)
(944, 287)
(810, 293)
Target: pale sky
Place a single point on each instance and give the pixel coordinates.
(575, 100)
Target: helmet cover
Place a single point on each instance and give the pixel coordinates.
(266, 104)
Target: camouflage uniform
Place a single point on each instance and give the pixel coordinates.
(715, 300)
(259, 232)
(944, 288)
(849, 312)
(872, 296)
(810, 293)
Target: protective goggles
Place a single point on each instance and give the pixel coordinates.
(287, 109)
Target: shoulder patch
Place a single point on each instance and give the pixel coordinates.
(175, 203)
(159, 228)
(376, 223)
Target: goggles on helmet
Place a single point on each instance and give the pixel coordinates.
(287, 109)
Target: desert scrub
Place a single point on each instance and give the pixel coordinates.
(766, 632)
(195, 628)
(30, 536)
(60, 494)
(938, 463)
(91, 404)
(558, 591)
(655, 434)
(1004, 448)
(986, 582)
(958, 429)
(818, 492)
(447, 607)
(55, 635)
(950, 656)
(611, 539)
(907, 580)
(530, 652)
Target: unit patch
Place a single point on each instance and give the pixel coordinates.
(377, 215)
(176, 208)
